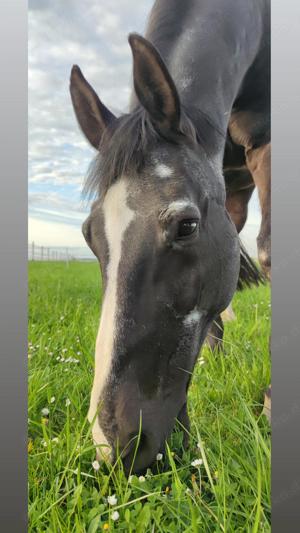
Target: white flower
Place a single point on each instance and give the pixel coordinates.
(130, 479)
(68, 402)
(95, 465)
(201, 361)
(45, 411)
(142, 479)
(52, 399)
(55, 439)
(62, 317)
(64, 350)
(188, 491)
(112, 500)
(44, 443)
(115, 516)
(197, 462)
(78, 353)
(159, 457)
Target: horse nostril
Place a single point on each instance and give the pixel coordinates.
(127, 445)
(139, 453)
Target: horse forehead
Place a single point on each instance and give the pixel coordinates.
(160, 185)
(115, 204)
(163, 170)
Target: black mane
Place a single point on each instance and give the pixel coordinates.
(126, 143)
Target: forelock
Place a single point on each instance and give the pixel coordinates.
(124, 149)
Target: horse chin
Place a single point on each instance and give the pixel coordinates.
(104, 453)
(184, 424)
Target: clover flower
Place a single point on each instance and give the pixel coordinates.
(115, 516)
(197, 462)
(96, 465)
(112, 500)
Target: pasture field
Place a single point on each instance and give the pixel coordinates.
(228, 492)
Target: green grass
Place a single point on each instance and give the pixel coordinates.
(229, 492)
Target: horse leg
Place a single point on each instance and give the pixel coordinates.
(237, 206)
(259, 163)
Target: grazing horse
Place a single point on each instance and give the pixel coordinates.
(168, 250)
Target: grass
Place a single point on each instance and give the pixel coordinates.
(228, 492)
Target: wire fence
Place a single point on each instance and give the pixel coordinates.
(58, 253)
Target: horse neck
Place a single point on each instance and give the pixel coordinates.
(208, 46)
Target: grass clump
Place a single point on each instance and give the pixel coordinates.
(221, 483)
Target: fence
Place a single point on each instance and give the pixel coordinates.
(58, 253)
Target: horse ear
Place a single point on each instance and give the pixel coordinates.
(153, 84)
(93, 117)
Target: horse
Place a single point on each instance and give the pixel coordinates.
(172, 179)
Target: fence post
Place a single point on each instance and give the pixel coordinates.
(67, 256)
(42, 253)
(32, 251)
(48, 254)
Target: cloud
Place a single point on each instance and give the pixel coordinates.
(92, 34)
(49, 233)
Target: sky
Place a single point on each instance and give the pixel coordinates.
(92, 34)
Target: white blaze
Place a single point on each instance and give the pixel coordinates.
(117, 218)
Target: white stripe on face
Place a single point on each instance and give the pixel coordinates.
(117, 218)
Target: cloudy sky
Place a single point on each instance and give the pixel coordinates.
(92, 34)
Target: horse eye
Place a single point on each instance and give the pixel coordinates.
(186, 228)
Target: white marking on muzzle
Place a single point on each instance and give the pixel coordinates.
(192, 318)
(117, 218)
